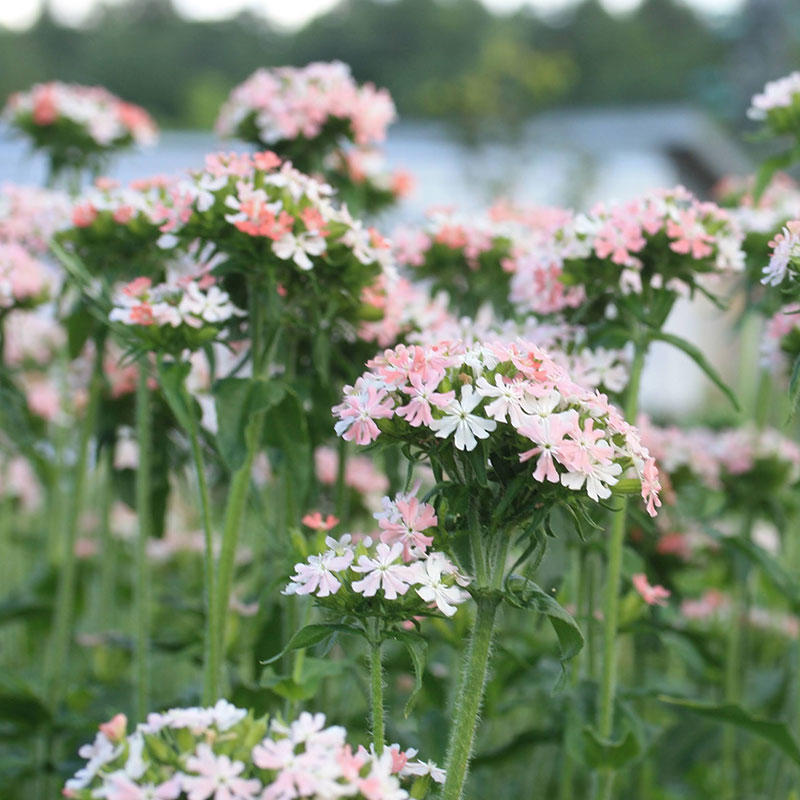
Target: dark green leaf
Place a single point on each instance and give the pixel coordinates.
(20, 704)
(311, 635)
(172, 378)
(777, 733)
(417, 647)
(601, 753)
(524, 593)
(238, 400)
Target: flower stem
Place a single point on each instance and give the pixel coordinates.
(56, 667)
(376, 693)
(141, 603)
(470, 697)
(341, 496)
(208, 538)
(616, 542)
(735, 668)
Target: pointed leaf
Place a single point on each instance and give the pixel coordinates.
(524, 593)
(238, 400)
(777, 733)
(417, 647)
(311, 635)
(699, 359)
(172, 380)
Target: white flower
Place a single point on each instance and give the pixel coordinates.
(466, 425)
(298, 248)
(425, 768)
(384, 572)
(431, 588)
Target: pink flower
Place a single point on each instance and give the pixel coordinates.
(315, 521)
(412, 519)
(652, 595)
(550, 434)
(689, 235)
(115, 728)
(357, 413)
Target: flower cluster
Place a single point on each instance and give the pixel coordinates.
(359, 574)
(195, 311)
(274, 107)
(778, 105)
(599, 367)
(510, 396)
(73, 122)
(223, 753)
(660, 241)
(761, 462)
(24, 279)
(30, 216)
(778, 204)
(396, 309)
(363, 179)
(780, 343)
(784, 262)
(467, 255)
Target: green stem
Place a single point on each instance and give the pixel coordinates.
(735, 668)
(576, 580)
(234, 511)
(616, 542)
(470, 697)
(376, 694)
(106, 602)
(56, 668)
(141, 590)
(208, 539)
(341, 495)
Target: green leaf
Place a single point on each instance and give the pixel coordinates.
(524, 593)
(172, 379)
(599, 752)
(770, 167)
(238, 400)
(417, 647)
(20, 704)
(694, 353)
(777, 733)
(286, 429)
(782, 578)
(311, 635)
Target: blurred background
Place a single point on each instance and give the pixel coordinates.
(557, 102)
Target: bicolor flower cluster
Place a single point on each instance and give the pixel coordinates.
(392, 575)
(263, 214)
(778, 105)
(778, 204)
(662, 240)
(82, 116)
(25, 281)
(780, 342)
(754, 459)
(174, 316)
(223, 753)
(510, 397)
(784, 261)
(30, 216)
(288, 103)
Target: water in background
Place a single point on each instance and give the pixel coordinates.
(570, 160)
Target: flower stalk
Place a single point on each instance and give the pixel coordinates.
(141, 602)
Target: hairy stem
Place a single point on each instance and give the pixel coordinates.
(376, 694)
(616, 541)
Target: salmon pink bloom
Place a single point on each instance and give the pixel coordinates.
(316, 522)
(652, 595)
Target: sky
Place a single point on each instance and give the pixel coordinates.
(288, 13)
